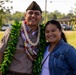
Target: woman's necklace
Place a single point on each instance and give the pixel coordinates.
(29, 41)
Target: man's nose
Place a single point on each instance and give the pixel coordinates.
(33, 14)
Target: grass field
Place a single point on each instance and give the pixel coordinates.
(1, 34)
(70, 35)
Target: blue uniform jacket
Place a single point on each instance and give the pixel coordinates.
(62, 60)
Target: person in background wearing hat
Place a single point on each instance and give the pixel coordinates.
(59, 56)
(28, 44)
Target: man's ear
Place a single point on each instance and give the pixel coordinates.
(40, 20)
(41, 17)
(25, 15)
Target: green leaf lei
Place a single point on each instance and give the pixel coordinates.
(11, 47)
(38, 60)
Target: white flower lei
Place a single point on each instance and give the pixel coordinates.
(25, 32)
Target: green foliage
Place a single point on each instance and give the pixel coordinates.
(4, 10)
(17, 16)
(51, 15)
(75, 9)
(73, 22)
(1, 17)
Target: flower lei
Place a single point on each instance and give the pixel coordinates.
(11, 47)
(25, 32)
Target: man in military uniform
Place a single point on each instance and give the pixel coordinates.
(27, 46)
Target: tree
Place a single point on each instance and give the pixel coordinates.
(18, 16)
(73, 19)
(54, 16)
(4, 7)
(70, 14)
(4, 10)
(58, 14)
(75, 9)
(1, 16)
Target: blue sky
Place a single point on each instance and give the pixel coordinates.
(63, 6)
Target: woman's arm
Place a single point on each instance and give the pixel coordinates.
(71, 58)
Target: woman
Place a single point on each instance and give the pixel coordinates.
(59, 57)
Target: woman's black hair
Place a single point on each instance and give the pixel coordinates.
(55, 22)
